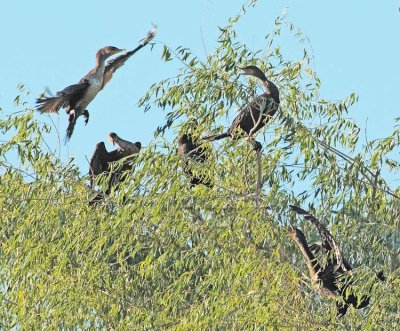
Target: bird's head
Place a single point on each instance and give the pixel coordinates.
(185, 138)
(138, 144)
(108, 51)
(188, 130)
(253, 71)
(112, 137)
(191, 125)
(297, 235)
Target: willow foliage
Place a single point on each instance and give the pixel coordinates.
(157, 254)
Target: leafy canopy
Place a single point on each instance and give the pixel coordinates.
(158, 254)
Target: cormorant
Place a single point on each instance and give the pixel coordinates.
(75, 98)
(190, 151)
(102, 161)
(255, 114)
(328, 278)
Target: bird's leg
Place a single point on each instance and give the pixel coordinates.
(86, 116)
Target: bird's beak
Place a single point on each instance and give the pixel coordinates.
(119, 50)
(242, 71)
(111, 140)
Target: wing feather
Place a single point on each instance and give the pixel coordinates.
(119, 61)
(68, 97)
(328, 242)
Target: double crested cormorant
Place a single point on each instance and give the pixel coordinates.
(328, 278)
(190, 151)
(75, 98)
(257, 113)
(102, 161)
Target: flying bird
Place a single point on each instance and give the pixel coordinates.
(255, 114)
(103, 161)
(328, 277)
(75, 98)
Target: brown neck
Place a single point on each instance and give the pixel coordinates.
(265, 84)
(312, 264)
(100, 60)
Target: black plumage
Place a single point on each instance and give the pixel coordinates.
(191, 151)
(103, 161)
(329, 278)
(75, 98)
(255, 114)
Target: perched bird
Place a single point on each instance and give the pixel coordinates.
(191, 151)
(75, 98)
(255, 114)
(102, 161)
(328, 278)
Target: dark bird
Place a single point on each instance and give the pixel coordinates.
(328, 278)
(255, 114)
(103, 161)
(191, 151)
(75, 98)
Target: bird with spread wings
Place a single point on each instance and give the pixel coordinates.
(104, 162)
(75, 98)
(328, 277)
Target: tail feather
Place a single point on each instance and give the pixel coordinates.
(217, 136)
(51, 104)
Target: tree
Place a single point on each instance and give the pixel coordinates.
(159, 254)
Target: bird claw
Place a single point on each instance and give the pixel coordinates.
(86, 116)
(257, 147)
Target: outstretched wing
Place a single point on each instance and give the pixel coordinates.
(119, 61)
(98, 162)
(68, 97)
(101, 161)
(328, 242)
(128, 148)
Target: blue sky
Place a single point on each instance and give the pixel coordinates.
(53, 44)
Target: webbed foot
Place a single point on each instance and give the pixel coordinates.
(86, 116)
(258, 146)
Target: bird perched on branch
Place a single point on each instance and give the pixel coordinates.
(255, 114)
(103, 161)
(328, 277)
(75, 98)
(191, 151)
